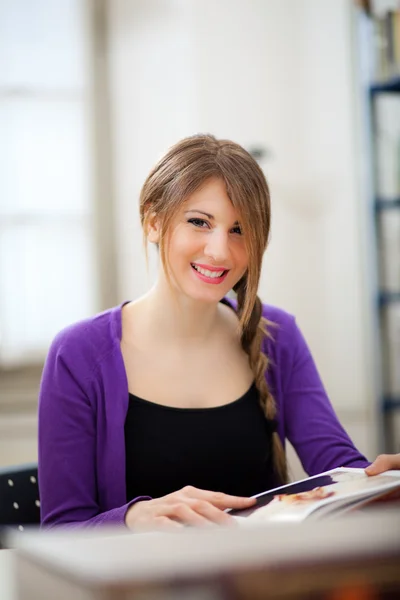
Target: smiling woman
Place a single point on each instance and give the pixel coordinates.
(165, 411)
(203, 174)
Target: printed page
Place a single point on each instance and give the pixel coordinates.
(322, 494)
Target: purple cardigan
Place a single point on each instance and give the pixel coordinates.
(84, 399)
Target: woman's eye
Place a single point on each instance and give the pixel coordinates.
(198, 222)
(237, 230)
(202, 224)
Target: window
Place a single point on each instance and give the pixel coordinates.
(48, 274)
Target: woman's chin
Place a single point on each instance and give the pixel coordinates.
(200, 291)
(212, 296)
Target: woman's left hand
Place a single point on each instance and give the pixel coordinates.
(384, 462)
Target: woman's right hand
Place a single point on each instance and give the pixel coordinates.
(188, 506)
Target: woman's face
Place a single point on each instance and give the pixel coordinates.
(206, 251)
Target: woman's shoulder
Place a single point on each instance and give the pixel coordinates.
(93, 336)
(282, 328)
(278, 316)
(283, 332)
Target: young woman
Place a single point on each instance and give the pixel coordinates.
(167, 410)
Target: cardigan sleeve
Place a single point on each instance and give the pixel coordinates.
(67, 443)
(311, 424)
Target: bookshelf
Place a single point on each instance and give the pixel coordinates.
(392, 86)
(379, 47)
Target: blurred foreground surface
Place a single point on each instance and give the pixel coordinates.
(357, 557)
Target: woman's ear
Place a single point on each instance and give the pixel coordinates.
(153, 229)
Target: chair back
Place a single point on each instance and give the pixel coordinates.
(19, 496)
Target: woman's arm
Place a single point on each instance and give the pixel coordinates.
(310, 420)
(67, 439)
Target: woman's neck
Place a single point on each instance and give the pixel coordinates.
(174, 316)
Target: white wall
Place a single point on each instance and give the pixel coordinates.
(274, 73)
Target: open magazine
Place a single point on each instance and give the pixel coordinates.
(327, 494)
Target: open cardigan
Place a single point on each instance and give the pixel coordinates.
(83, 403)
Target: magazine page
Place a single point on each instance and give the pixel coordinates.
(318, 496)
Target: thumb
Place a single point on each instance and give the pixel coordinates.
(384, 462)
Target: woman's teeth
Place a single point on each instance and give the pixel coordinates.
(207, 273)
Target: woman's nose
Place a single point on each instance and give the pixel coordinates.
(217, 247)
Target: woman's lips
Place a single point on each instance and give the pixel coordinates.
(210, 267)
(207, 279)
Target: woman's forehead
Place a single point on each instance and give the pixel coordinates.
(212, 198)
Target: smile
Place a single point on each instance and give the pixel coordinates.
(210, 276)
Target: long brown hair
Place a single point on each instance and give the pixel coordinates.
(184, 168)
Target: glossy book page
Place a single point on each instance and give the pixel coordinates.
(317, 496)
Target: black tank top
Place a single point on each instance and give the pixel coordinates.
(224, 448)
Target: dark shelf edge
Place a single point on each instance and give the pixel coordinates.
(391, 86)
(390, 404)
(383, 204)
(386, 298)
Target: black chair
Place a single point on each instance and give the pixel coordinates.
(19, 496)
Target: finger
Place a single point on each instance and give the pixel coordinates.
(185, 514)
(166, 523)
(219, 499)
(155, 523)
(224, 501)
(384, 462)
(211, 512)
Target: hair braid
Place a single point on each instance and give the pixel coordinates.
(253, 334)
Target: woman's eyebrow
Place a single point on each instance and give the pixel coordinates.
(211, 217)
(199, 211)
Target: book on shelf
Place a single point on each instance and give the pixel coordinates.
(387, 145)
(328, 494)
(391, 349)
(386, 43)
(388, 247)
